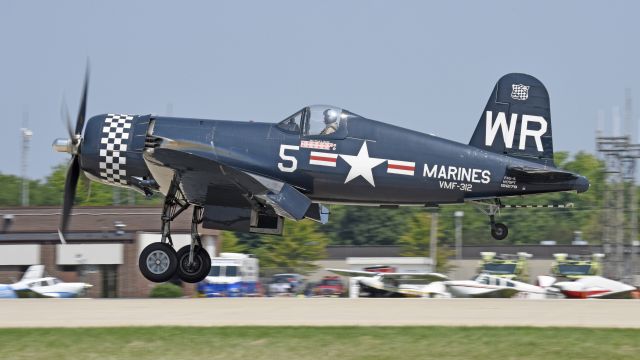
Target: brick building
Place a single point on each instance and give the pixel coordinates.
(103, 245)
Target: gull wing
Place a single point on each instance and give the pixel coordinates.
(208, 181)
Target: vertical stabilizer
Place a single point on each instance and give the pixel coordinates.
(517, 120)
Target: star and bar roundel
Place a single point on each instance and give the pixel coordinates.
(362, 164)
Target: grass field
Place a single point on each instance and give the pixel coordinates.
(332, 343)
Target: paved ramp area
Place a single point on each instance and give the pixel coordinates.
(317, 311)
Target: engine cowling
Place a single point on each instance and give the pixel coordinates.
(112, 149)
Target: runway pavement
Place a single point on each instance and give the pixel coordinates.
(317, 311)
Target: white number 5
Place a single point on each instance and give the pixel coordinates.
(283, 156)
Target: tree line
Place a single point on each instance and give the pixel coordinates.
(408, 227)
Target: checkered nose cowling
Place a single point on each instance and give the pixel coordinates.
(112, 148)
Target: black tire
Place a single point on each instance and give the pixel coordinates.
(499, 231)
(158, 262)
(201, 264)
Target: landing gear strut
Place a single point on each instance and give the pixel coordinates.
(194, 262)
(159, 261)
(499, 231)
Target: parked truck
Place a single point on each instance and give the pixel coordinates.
(231, 275)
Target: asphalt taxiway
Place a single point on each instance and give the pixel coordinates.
(318, 312)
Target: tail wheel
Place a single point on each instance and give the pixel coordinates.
(158, 262)
(200, 267)
(499, 231)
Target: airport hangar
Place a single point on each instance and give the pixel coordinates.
(103, 245)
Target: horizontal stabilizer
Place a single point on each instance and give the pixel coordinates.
(544, 175)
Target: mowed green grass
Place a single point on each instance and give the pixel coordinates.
(331, 343)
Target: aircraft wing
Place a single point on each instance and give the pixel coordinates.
(506, 292)
(401, 277)
(231, 186)
(414, 277)
(30, 293)
(353, 273)
(621, 294)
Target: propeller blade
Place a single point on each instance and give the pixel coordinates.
(82, 112)
(73, 173)
(64, 111)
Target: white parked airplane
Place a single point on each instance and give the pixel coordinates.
(35, 285)
(489, 286)
(414, 284)
(594, 287)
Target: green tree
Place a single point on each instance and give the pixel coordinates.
(296, 250)
(229, 242)
(365, 225)
(416, 240)
(10, 193)
(88, 193)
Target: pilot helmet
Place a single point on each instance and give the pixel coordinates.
(330, 116)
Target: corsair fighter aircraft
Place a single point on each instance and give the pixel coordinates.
(250, 176)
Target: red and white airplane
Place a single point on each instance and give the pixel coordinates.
(594, 287)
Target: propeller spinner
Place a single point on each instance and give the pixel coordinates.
(72, 145)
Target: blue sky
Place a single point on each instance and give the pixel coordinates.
(429, 66)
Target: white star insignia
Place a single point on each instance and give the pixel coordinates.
(361, 165)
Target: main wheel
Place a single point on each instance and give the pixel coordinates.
(499, 231)
(158, 262)
(200, 267)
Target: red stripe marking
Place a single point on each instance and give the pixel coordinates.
(401, 167)
(323, 158)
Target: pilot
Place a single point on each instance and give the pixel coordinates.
(330, 122)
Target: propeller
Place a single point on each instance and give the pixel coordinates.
(72, 146)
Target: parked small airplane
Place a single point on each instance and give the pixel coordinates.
(394, 283)
(490, 286)
(35, 285)
(250, 176)
(594, 287)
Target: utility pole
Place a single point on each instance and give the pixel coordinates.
(26, 138)
(458, 215)
(433, 244)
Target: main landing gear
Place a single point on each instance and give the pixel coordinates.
(159, 261)
(499, 231)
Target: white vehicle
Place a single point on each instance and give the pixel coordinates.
(34, 285)
(413, 284)
(594, 287)
(231, 275)
(484, 286)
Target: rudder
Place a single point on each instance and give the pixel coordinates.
(517, 120)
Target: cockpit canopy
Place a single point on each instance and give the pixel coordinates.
(317, 120)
